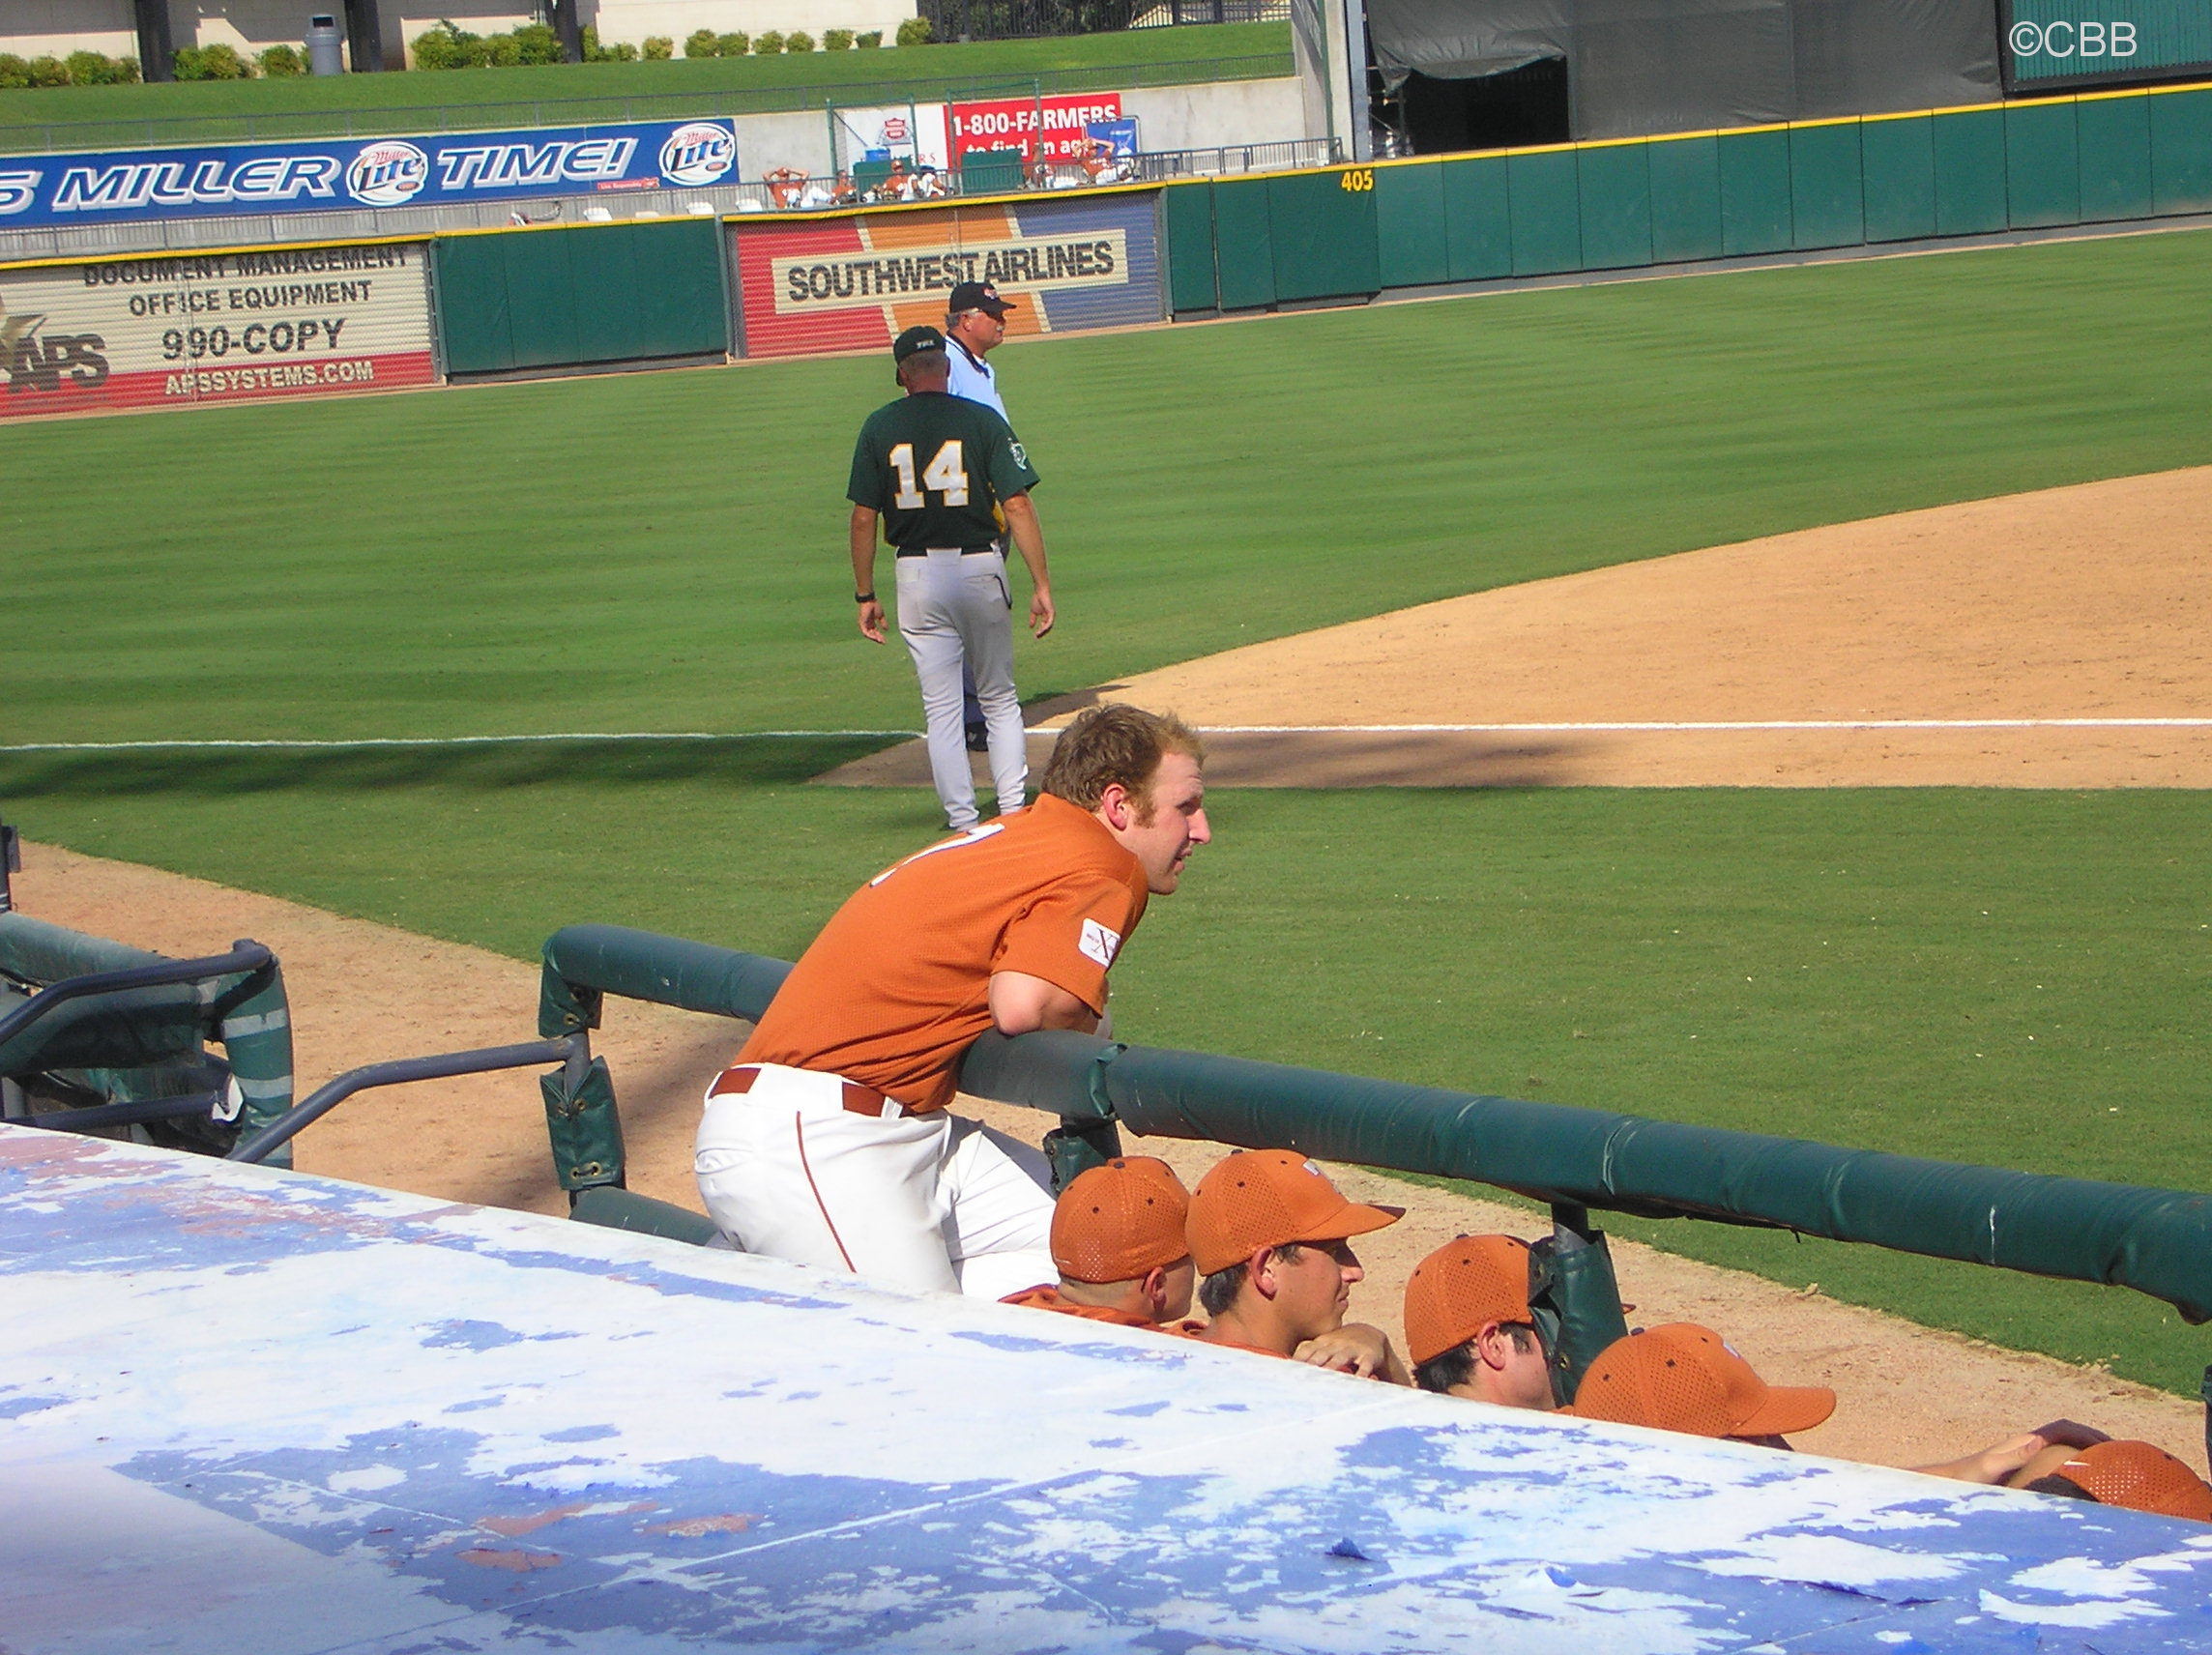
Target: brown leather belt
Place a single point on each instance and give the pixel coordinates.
(737, 1080)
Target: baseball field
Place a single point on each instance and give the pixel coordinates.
(2009, 974)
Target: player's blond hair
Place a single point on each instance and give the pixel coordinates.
(1112, 743)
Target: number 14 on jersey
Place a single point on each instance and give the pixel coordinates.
(947, 475)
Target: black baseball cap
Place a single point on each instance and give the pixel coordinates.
(981, 296)
(915, 341)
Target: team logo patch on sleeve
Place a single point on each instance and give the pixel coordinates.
(1098, 944)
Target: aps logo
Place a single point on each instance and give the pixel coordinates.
(387, 174)
(698, 152)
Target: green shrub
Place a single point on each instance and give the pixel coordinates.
(914, 32)
(539, 43)
(868, 39)
(799, 41)
(97, 69)
(277, 63)
(836, 40)
(14, 73)
(658, 48)
(701, 43)
(733, 46)
(442, 46)
(769, 44)
(49, 71)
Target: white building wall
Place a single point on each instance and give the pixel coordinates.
(1222, 112)
(55, 28)
(632, 20)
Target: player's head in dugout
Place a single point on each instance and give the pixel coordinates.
(1271, 1238)
(1469, 1329)
(1118, 1241)
(1139, 772)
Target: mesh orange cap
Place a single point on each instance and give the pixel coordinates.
(1682, 1376)
(1460, 1288)
(1118, 1221)
(2142, 1478)
(1271, 1198)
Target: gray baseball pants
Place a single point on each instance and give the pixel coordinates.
(955, 609)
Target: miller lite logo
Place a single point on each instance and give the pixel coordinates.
(387, 174)
(698, 152)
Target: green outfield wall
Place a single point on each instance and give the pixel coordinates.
(577, 297)
(1288, 239)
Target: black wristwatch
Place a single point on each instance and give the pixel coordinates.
(864, 598)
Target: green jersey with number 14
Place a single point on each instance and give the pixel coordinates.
(936, 466)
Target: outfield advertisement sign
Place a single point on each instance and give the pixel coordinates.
(1054, 128)
(843, 285)
(314, 175)
(227, 326)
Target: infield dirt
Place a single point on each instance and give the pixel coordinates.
(2088, 602)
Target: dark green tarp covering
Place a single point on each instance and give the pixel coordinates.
(1636, 69)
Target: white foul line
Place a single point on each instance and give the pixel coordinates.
(304, 744)
(447, 741)
(1709, 724)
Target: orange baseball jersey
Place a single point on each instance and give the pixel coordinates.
(1048, 1298)
(896, 987)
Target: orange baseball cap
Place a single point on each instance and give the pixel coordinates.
(1118, 1221)
(1682, 1376)
(1271, 1198)
(2142, 1478)
(1461, 1287)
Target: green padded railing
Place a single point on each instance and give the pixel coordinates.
(2156, 1242)
(146, 1043)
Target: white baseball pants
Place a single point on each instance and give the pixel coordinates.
(953, 610)
(929, 1203)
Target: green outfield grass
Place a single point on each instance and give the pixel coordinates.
(667, 551)
(664, 552)
(212, 110)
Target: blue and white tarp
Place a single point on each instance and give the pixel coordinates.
(352, 173)
(245, 1409)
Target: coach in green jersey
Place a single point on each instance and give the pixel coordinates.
(935, 471)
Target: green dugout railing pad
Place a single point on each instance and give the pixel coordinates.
(2156, 1242)
(582, 963)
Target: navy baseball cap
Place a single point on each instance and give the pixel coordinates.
(977, 296)
(915, 341)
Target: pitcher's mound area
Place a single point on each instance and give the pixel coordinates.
(2056, 639)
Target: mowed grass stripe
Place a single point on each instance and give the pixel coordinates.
(1998, 977)
(665, 551)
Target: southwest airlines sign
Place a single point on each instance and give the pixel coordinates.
(355, 173)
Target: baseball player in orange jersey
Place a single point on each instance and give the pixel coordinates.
(828, 1142)
(1118, 1237)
